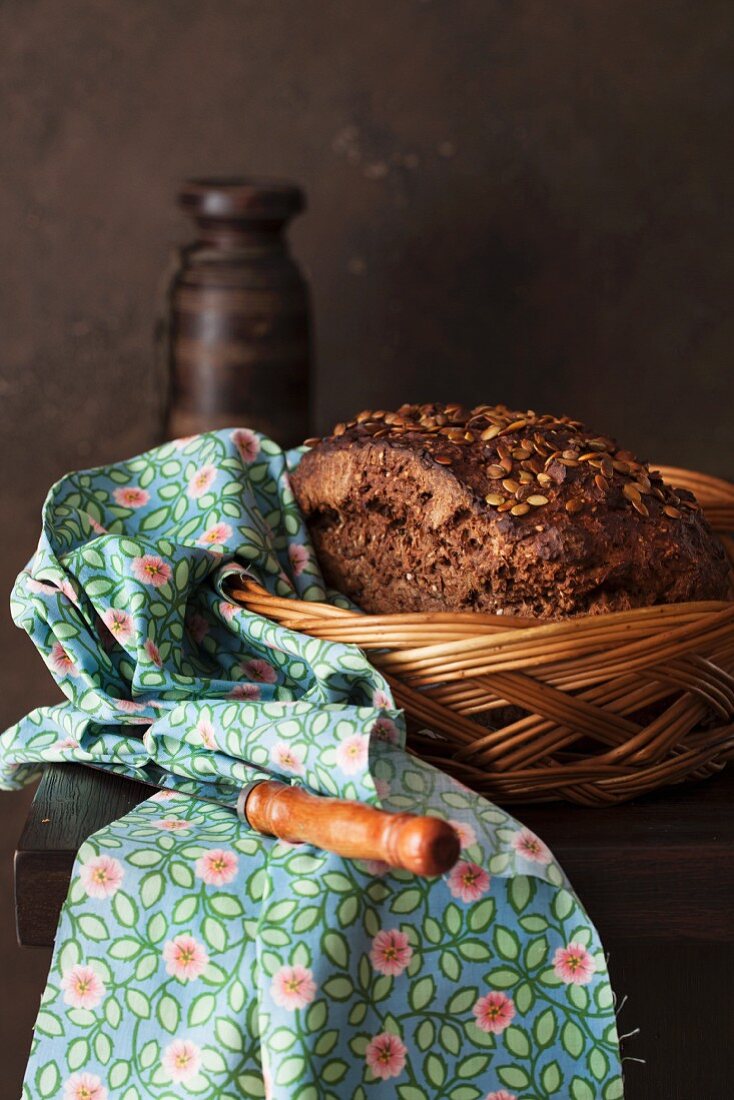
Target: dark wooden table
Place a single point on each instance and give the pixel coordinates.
(656, 876)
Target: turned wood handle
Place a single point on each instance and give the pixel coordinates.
(423, 845)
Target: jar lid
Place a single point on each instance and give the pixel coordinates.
(241, 198)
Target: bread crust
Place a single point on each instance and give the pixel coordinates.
(440, 508)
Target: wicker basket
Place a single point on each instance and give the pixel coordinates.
(594, 710)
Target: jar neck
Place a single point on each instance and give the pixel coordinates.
(239, 234)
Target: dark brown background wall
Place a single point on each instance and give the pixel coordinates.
(509, 200)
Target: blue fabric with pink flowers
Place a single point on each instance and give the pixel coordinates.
(196, 957)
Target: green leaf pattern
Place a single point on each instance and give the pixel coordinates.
(197, 958)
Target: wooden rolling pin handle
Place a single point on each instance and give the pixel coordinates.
(423, 845)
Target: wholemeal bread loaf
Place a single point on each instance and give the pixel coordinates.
(437, 508)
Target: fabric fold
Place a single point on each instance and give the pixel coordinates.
(197, 957)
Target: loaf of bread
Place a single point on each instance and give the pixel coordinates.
(437, 508)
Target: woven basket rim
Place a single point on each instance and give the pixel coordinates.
(610, 705)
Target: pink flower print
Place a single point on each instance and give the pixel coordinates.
(503, 1094)
(216, 535)
(119, 623)
(205, 733)
(61, 662)
(287, 758)
(152, 570)
(468, 881)
(182, 441)
(299, 558)
(162, 796)
(67, 743)
(83, 987)
(181, 1060)
(185, 958)
(531, 847)
(131, 497)
(153, 652)
(201, 481)
(244, 691)
(229, 610)
(385, 1055)
(293, 987)
(385, 729)
(129, 706)
(197, 625)
(172, 824)
(67, 588)
(40, 586)
(466, 833)
(84, 1086)
(96, 527)
(246, 443)
(382, 699)
(391, 952)
(101, 877)
(352, 753)
(573, 964)
(375, 867)
(494, 1012)
(259, 670)
(217, 867)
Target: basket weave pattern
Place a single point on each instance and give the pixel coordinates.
(595, 709)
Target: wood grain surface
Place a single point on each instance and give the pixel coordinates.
(424, 845)
(661, 869)
(656, 876)
(524, 202)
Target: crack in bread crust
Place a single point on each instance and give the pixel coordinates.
(437, 508)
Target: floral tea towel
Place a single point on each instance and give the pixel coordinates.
(196, 957)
